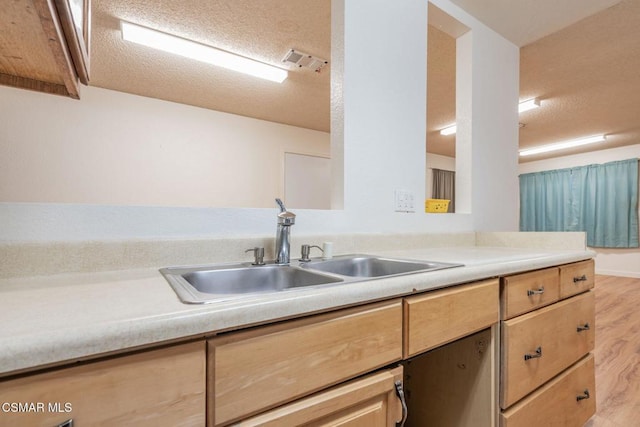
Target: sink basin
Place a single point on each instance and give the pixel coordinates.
(372, 266)
(222, 282)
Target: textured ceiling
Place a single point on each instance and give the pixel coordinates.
(264, 30)
(525, 21)
(587, 74)
(588, 79)
(441, 91)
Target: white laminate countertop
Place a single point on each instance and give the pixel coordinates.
(50, 319)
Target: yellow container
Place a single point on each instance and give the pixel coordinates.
(436, 205)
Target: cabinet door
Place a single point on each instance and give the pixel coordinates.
(366, 402)
(34, 50)
(439, 317)
(163, 387)
(75, 18)
(253, 371)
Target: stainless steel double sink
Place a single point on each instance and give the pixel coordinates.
(220, 282)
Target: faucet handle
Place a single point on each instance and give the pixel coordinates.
(258, 254)
(285, 217)
(306, 250)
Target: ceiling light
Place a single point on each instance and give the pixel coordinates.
(563, 145)
(449, 130)
(200, 52)
(529, 104)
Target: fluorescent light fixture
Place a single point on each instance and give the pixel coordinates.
(449, 130)
(529, 104)
(200, 52)
(563, 145)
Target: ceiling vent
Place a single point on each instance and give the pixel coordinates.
(295, 58)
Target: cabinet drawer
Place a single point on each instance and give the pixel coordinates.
(428, 318)
(526, 292)
(576, 278)
(568, 400)
(259, 369)
(562, 333)
(163, 387)
(368, 401)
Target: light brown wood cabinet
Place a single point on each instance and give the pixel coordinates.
(543, 347)
(454, 385)
(164, 387)
(252, 371)
(526, 292)
(459, 365)
(567, 400)
(562, 333)
(442, 316)
(43, 47)
(576, 278)
(281, 366)
(371, 401)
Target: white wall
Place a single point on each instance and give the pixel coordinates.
(487, 124)
(119, 149)
(494, 134)
(382, 97)
(307, 181)
(594, 157)
(615, 262)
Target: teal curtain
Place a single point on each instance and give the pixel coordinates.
(601, 200)
(544, 201)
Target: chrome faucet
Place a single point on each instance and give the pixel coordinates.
(283, 244)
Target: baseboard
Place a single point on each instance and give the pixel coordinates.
(622, 273)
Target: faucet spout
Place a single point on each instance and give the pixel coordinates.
(283, 234)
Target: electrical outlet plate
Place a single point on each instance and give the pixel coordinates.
(404, 201)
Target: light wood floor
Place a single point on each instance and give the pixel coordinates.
(617, 352)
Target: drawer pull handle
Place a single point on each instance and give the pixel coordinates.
(538, 291)
(535, 355)
(405, 411)
(584, 327)
(68, 423)
(582, 278)
(583, 396)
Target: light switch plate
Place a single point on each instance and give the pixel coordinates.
(404, 201)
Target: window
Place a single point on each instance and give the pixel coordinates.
(601, 200)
